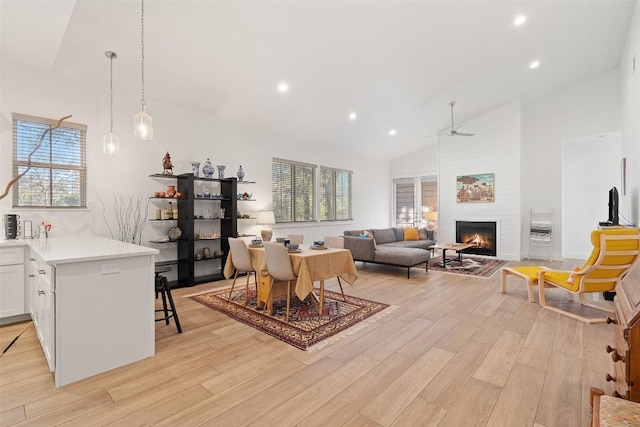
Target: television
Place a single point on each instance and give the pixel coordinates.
(613, 207)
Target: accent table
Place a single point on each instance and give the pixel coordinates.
(456, 247)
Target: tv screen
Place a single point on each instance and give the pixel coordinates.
(613, 206)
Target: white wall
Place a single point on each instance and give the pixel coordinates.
(585, 189)
(588, 108)
(188, 136)
(495, 148)
(630, 122)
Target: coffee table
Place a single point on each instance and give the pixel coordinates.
(456, 247)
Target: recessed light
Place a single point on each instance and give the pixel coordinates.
(283, 87)
(353, 116)
(392, 132)
(519, 20)
(534, 64)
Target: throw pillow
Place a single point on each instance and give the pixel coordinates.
(369, 235)
(422, 233)
(411, 233)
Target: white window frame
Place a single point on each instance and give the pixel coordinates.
(77, 162)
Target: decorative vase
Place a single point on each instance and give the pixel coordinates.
(240, 174)
(220, 171)
(208, 169)
(195, 168)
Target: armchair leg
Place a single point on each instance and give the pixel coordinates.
(543, 302)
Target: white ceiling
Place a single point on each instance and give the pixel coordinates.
(398, 64)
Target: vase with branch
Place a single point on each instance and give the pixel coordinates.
(130, 213)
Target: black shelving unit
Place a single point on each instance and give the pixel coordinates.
(186, 262)
(187, 222)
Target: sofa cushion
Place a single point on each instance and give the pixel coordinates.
(384, 235)
(422, 233)
(411, 233)
(420, 244)
(407, 257)
(399, 233)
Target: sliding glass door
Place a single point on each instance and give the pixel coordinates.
(414, 198)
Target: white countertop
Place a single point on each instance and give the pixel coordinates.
(60, 250)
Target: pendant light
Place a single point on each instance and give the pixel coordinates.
(142, 122)
(111, 143)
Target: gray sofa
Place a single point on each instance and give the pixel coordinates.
(389, 247)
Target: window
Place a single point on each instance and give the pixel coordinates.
(335, 194)
(295, 188)
(58, 173)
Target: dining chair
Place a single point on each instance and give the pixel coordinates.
(279, 268)
(296, 238)
(242, 264)
(336, 242)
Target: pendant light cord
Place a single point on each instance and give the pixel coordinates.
(111, 93)
(142, 102)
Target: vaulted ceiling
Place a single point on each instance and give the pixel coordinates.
(397, 64)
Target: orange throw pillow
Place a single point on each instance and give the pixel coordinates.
(411, 233)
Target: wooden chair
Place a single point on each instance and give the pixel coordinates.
(242, 263)
(612, 411)
(296, 239)
(615, 252)
(280, 268)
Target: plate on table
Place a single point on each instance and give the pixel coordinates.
(294, 251)
(318, 247)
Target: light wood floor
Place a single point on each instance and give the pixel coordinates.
(455, 352)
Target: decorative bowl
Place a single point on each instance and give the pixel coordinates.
(293, 246)
(174, 233)
(280, 239)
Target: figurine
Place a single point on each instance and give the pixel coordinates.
(240, 173)
(167, 165)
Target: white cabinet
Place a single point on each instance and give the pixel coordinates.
(42, 306)
(12, 289)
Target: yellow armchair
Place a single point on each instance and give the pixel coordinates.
(615, 252)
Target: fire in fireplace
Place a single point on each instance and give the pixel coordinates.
(481, 233)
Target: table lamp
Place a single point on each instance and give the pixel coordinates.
(432, 219)
(266, 218)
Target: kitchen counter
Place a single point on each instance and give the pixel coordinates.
(92, 303)
(61, 250)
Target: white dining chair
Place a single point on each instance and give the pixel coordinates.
(338, 243)
(242, 264)
(296, 238)
(279, 268)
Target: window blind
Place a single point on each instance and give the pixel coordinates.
(335, 194)
(294, 190)
(58, 173)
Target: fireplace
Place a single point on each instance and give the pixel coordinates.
(481, 233)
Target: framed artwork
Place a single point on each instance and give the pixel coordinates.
(475, 188)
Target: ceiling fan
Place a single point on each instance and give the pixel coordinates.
(454, 131)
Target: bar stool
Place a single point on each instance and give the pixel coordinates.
(162, 287)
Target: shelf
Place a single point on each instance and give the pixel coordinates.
(247, 200)
(167, 198)
(161, 220)
(162, 175)
(246, 182)
(213, 199)
(197, 239)
(166, 263)
(251, 217)
(162, 242)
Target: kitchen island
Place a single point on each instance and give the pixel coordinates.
(92, 303)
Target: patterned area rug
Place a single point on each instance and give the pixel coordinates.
(306, 327)
(470, 266)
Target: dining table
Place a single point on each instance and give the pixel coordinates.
(310, 264)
